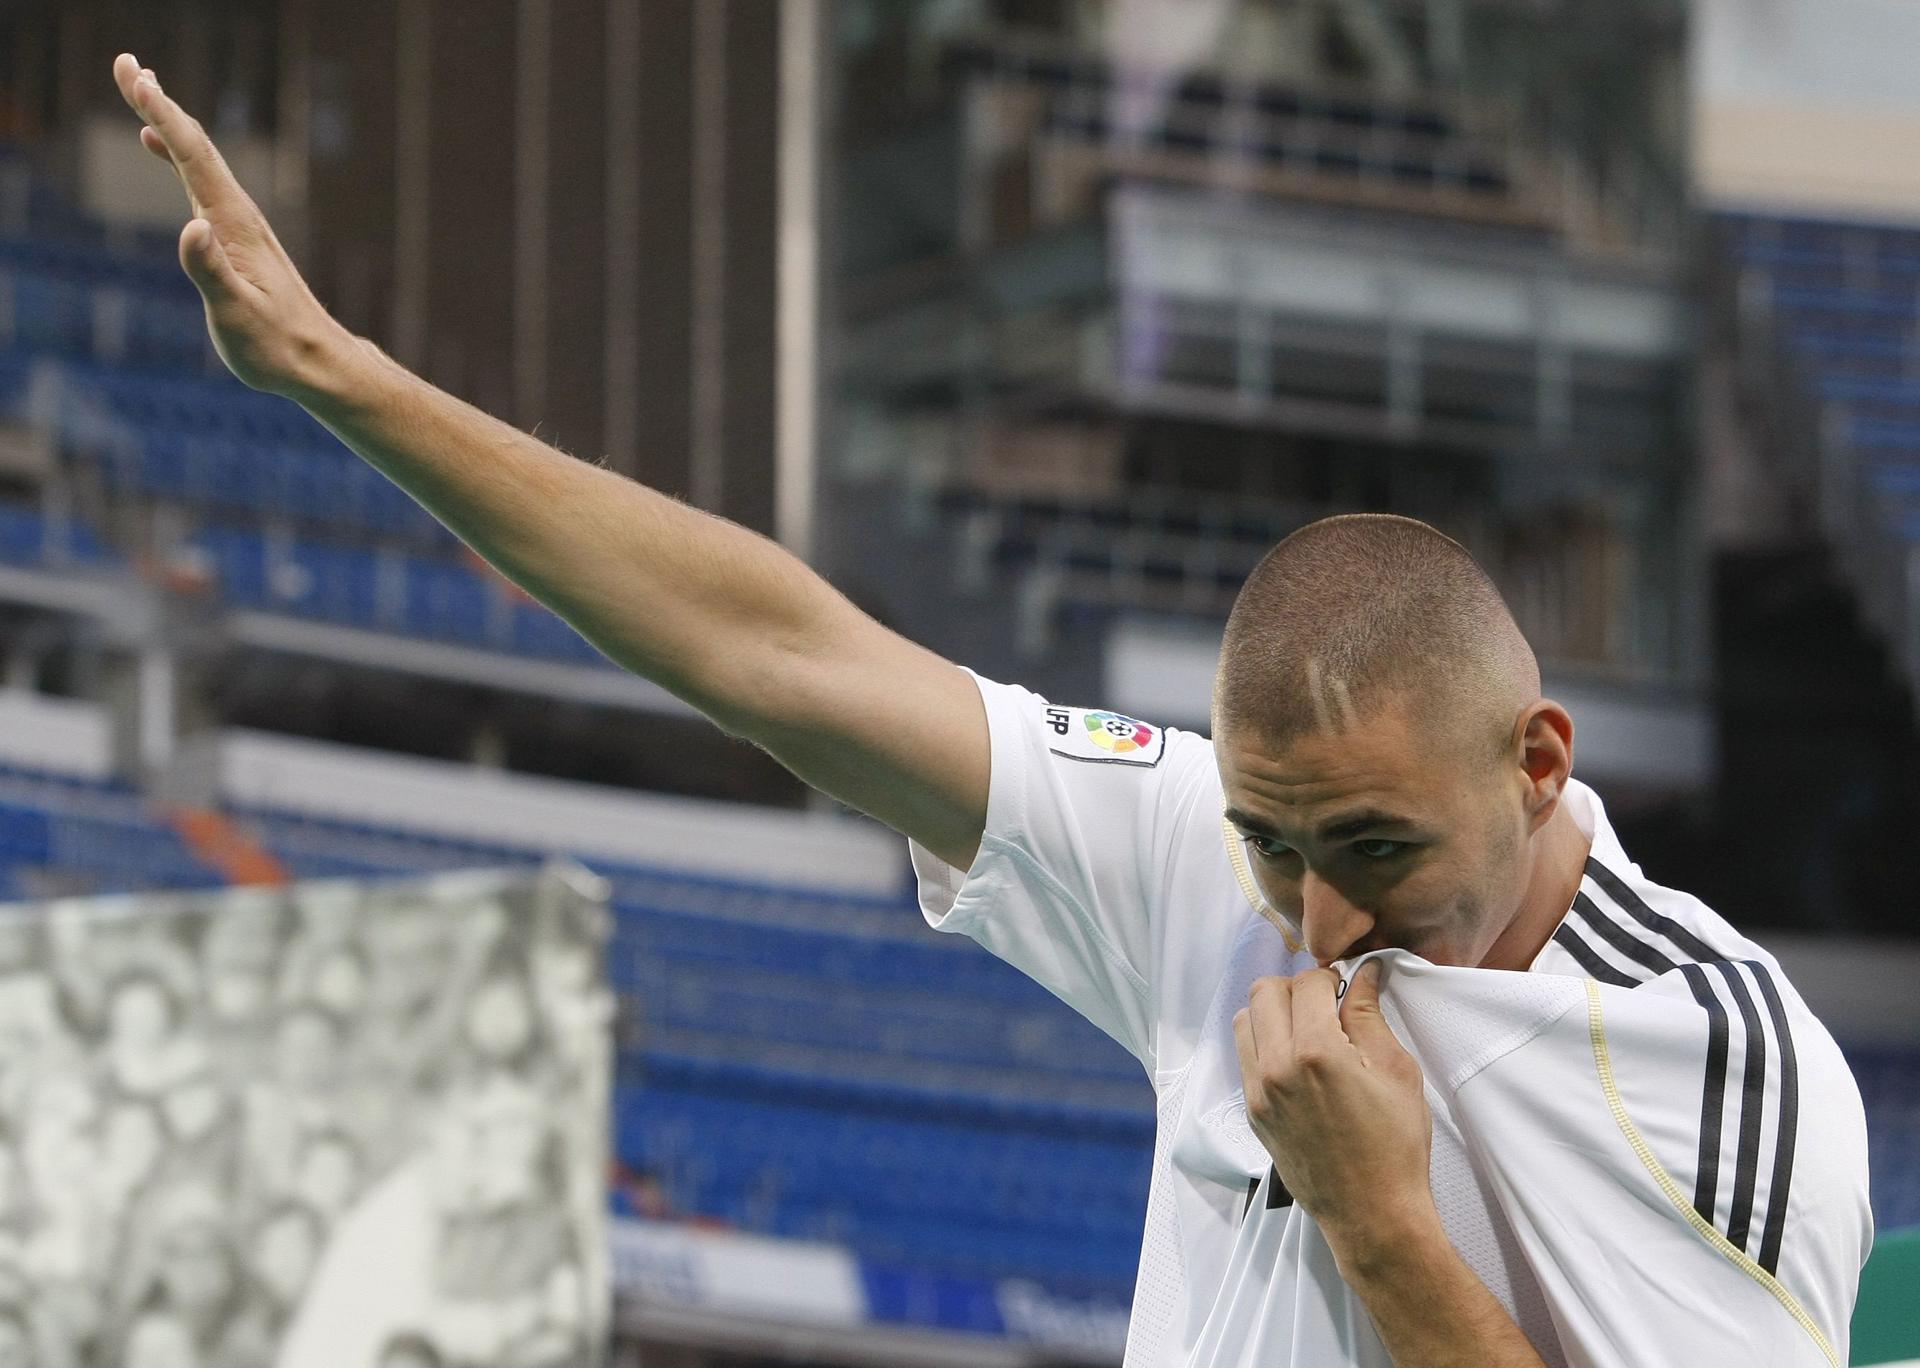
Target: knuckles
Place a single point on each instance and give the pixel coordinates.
(1280, 1078)
(1310, 1058)
(1270, 983)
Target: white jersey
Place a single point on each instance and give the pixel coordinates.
(1647, 1148)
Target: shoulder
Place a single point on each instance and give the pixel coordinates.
(1097, 750)
(1107, 736)
(1746, 1097)
(1624, 929)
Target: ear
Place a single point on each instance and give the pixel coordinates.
(1543, 739)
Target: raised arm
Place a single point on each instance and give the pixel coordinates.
(723, 617)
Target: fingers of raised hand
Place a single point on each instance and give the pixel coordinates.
(139, 87)
(209, 184)
(126, 69)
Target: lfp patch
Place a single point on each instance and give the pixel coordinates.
(1098, 735)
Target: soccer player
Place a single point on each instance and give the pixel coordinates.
(1562, 1116)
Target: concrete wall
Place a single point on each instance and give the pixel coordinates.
(1807, 105)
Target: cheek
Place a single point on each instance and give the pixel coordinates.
(1482, 883)
(1504, 844)
(1281, 893)
(1282, 904)
(1424, 902)
(1436, 899)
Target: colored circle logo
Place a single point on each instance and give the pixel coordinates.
(1121, 735)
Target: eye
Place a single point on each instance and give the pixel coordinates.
(1379, 850)
(1269, 848)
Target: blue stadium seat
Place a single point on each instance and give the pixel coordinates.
(20, 535)
(536, 631)
(1847, 308)
(165, 329)
(52, 315)
(339, 584)
(240, 561)
(1890, 391)
(25, 836)
(27, 538)
(446, 601)
(1889, 306)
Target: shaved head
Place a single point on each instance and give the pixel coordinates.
(1354, 613)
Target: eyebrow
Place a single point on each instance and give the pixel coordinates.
(1339, 829)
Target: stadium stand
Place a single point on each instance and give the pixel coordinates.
(1110, 330)
(1055, 103)
(235, 458)
(29, 538)
(212, 445)
(1828, 325)
(384, 589)
(103, 346)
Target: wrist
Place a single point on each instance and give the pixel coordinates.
(332, 371)
(1388, 1250)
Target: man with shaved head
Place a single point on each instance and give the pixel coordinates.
(1371, 669)
(1442, 1077)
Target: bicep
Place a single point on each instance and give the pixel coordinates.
(886, 726)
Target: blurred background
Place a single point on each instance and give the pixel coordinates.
(1032, 324)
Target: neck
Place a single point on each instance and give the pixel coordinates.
(1560, 862)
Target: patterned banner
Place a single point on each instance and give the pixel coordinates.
(342, 1123)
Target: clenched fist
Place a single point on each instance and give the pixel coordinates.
(1339, 1105)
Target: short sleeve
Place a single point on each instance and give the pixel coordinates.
(1084, 810)
(1685, 1164)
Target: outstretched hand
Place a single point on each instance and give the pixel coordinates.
(264, 321)
(1338, 1103)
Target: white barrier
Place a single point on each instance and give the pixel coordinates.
(343, 1123)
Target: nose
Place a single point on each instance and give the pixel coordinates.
(1329, 921)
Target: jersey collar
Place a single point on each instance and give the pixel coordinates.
(1590, 815)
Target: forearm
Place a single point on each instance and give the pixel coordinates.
(689, 600)
(1429, 1307)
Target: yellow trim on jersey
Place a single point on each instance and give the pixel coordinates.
(1237, 857)
(1597, 1030)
